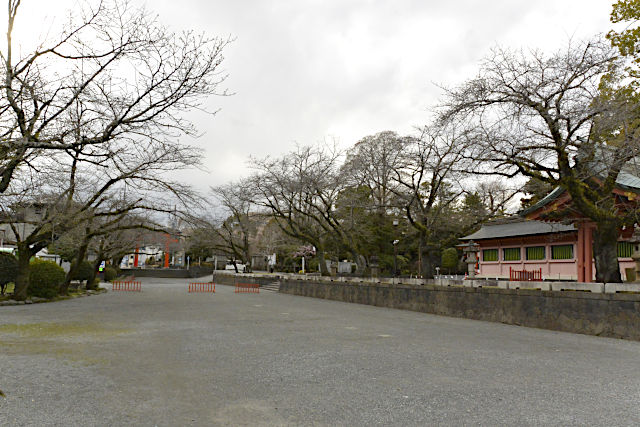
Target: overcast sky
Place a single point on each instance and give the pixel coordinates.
(306, 70)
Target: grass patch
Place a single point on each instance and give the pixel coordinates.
(74, 342)
(55, 330)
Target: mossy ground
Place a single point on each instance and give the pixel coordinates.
(69, 341)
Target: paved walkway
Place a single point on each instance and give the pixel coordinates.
(165, 357)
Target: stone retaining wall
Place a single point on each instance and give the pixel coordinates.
(173, 273)
(604, 314)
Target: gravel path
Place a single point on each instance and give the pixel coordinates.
(165, 357)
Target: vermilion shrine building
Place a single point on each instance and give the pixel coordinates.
(562, 250)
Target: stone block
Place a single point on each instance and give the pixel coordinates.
(612, 288)
(596, 288)
(543, 286)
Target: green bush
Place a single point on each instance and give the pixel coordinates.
(84, 272)
(45, 278)
(110, 273)
(449, 259)
(8, 268)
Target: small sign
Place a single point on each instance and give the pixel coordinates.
(102, 265)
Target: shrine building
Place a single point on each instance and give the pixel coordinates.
(562, 249)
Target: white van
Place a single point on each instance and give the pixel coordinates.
(241, 267)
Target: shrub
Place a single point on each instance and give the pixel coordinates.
(8, 268)
(45, 278)
(85, 270)
(110, 273)
(450, 259)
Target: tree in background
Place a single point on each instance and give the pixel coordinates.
(449, 259)
(627, 40)
(299, 190)
(234, 233)
(536, 190)
(430, 187)
(369, 202)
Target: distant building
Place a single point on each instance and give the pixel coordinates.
(23, 219)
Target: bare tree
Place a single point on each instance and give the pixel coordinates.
(545, 117)
(75, 193)
(112, 76)
(300, 189)
(94, 116)
(429, 185)
(234, 233)
(372, 162)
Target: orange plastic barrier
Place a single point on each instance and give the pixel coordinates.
(129, 286)
(202, 287)
(247, 288)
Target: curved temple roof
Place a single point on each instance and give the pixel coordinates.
(520, 227)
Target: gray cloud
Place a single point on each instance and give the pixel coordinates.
(305, 70)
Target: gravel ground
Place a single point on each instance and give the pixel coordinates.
(165, 357)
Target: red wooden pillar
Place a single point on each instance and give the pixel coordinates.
(168, 240)
(580, 250)
(585, 252)
(588, 253)
(135, 258)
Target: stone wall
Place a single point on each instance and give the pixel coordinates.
(174, 273)
(604, 314)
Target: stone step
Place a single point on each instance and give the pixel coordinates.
(275, 286)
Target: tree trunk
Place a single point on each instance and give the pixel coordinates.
(605, 250)
(73, 269)
(425, 256)
(361, 264)
(91, 282)
(324, 271)
(22, 278)
(247, 262)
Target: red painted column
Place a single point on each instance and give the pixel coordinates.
(580, 250)
(588, 253)
(166, 250)
(135, 258)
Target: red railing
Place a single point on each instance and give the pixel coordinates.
(525, 276)
(243, 288)
(128, 286)
(202, 287)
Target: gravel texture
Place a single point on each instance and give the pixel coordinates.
(165, 357)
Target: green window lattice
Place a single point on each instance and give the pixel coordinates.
(511, 254)
(535, 252)
(562, 252)
(625, 249)
(490, 255)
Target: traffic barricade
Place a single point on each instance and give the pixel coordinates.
(247, 288)
(126, 286)
(202, 287)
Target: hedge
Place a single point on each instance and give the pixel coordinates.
(45, 278)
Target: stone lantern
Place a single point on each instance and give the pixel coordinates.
(635, 256)
(374, 266)
(470, 250)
